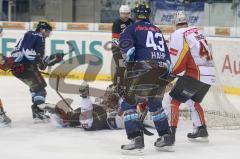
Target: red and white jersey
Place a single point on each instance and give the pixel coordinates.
(189, 52)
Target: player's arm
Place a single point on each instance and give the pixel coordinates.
(167, 58)
(42, 60)
(115, 33)
(179, 51)
(127, 44)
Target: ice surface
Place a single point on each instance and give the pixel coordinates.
(26, 140)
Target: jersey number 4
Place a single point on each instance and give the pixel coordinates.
(204, 50)
(150, 42)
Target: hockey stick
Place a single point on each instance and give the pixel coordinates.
(59, 94)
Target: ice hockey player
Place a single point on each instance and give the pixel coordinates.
(118, 26)
(4, 119)
(29, 57)
(190, 53)
(89, 116)
(147, 62)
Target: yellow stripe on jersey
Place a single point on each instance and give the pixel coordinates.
(182, 55)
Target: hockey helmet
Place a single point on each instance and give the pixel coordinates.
(124, 9)
(142, 11)
(44, 25)
(180, 18)
(84, 90)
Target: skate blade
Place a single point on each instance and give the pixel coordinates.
(165, 148)
(38, 121)
(135, 152)
(2, 125)
(199, 139)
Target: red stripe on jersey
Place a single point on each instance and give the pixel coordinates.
(115, 35)
(173, 52)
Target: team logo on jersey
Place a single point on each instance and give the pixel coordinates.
(123, 26)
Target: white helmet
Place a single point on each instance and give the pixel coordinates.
(124, 9)
(180, 17)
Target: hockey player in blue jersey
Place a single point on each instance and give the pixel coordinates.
(148, 65)
(29, 57)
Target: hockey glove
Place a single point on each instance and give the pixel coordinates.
(115, 42)
(130, 55)
(6, 63)
(166, 65)
(53, 59)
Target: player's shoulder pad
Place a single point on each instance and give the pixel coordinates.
(34, 33)
(117, 21)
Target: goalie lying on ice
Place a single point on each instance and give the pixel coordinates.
(88, 116)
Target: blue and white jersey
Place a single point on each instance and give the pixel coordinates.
(146, 40)
(32, 45)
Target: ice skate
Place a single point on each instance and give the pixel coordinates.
(5, 121)
(164, 143)
(135, 147)
(39, 115)
(199, 134)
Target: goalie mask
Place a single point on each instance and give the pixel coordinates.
(84, 90)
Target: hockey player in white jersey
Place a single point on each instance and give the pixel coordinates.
(190, 54)
(89, 116)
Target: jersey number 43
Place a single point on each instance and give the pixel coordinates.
(158, 45)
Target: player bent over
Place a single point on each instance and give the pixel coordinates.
(29, 57)
(190, 53)
(148, 61)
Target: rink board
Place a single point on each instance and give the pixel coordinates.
(92, 59)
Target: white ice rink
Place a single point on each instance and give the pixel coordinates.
(26, 140)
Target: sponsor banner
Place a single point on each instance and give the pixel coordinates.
(14, 25)
(92, 58)
(222, 31)
(92, 52)
(105, 27)
(78, 26)
(166, 9)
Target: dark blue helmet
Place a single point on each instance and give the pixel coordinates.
(43, 25)
(142, 11)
